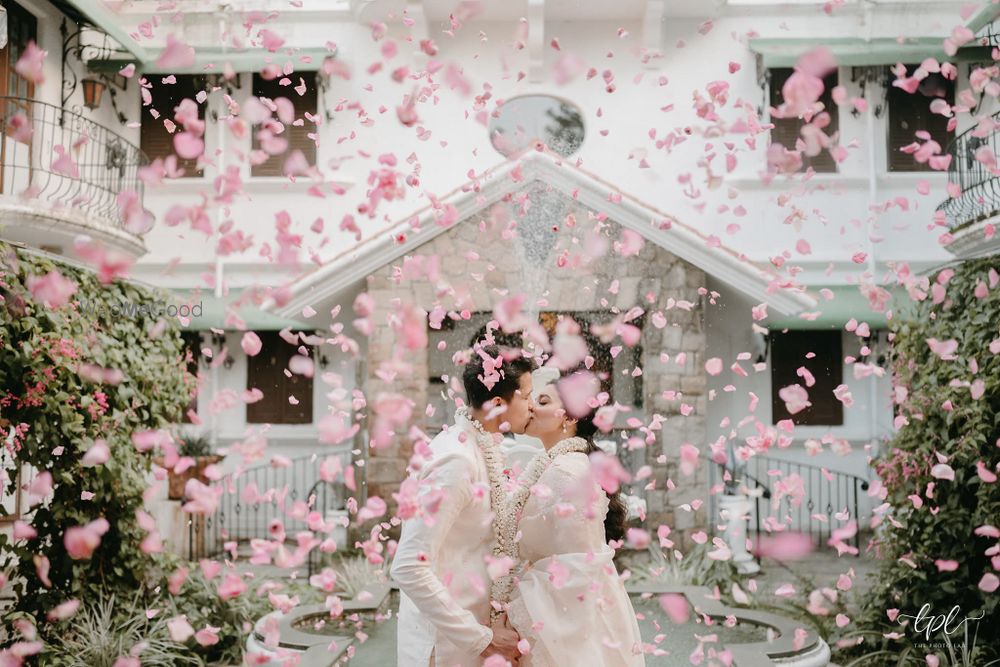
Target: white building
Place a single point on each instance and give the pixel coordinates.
(661, 107)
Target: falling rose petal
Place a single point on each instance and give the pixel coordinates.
(81, 541)
(989, 583)
(63, 611)
(188, 146)
(713, 366)
(19, 128)
(207, 636)
(688, 459)
(176, 55)
(796, 398)
(946, 565)
(302, 365)
(51, 290)
(136, 219)
(608, 471)
(577, 391)
(676, 607)
(63, 163)
(98, 454)
(31, 64)
(943, 471)
(39, 488)
(944, 349)
(251, 344)
(180, 629)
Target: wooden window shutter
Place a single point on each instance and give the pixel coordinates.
(786, 130)
(154, 139)
(909, 113)
(296, 135)
(788, 353)
(266, 372)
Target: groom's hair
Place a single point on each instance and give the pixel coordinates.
(479, 390)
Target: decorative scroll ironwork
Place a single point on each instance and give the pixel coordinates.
(252, 500)
(828, 491)
(105, 163)
(979, 183)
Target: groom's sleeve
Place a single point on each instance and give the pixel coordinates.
(419, 543)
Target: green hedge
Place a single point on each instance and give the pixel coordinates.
(41, 352)
(967, 434)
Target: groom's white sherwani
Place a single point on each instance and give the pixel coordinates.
(440, 563)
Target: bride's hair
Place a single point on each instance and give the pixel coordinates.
(614, 522)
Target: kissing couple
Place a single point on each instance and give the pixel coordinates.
(494, 571)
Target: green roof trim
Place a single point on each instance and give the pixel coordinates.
(211, 60)
(847, 303)
(854, 51)
(210, 312)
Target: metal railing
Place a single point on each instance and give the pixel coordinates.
(106, 164)
(979, 184)
(252, 499)
(826, 494)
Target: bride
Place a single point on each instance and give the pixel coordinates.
(566, 598)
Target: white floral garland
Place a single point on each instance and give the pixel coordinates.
(507, 528)
(493, 455)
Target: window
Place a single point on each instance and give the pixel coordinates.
(192, 355)
(820, 352)
(522, 121)
(22, 27)
(155, 140)
(297, 136)
(786, 130)
(268, 371)
(910, 113)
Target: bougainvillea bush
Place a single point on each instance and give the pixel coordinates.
(939, 542)
(76, 384)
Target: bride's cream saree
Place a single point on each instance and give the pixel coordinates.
(568, 601)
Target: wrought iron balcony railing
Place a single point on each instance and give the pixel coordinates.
(978, 181)
(100, 163)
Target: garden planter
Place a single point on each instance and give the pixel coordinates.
(735, 509)
(298, 635)
(177, 482)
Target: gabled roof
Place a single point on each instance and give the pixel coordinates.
(346, 269)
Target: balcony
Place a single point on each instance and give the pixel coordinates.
(47, 199)
(976, 210)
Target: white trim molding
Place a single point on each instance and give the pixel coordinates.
(756, 281)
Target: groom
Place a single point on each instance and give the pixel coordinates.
(440, 562)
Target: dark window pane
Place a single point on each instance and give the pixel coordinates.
(297, 136)
(786, 131)
(910, 113)
(155, 140)
(266, 372)
(789, 352)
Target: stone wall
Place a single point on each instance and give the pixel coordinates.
(480, 264)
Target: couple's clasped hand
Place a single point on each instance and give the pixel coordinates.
(505, 640)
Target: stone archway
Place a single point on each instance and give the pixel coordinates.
(479, 261)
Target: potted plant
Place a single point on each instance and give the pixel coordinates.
(198, 448)
(734, 505)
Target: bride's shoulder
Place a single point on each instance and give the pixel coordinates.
(576, 464)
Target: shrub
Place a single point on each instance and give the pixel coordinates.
(941, 424)
(60, 394)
